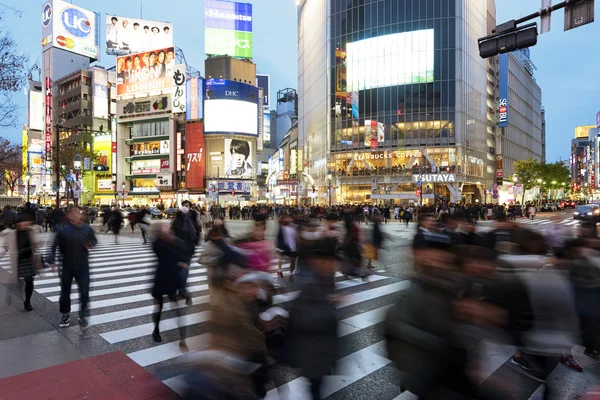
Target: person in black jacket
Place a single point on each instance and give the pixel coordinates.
(115, 222)
(186, 227)
(171, 254)
(140, 220)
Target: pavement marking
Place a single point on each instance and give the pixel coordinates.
(121, 335)
(372, 294)
(362, 321)
(168, 351)
(352, 368)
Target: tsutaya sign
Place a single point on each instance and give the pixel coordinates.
(387, 154)
(442, 178)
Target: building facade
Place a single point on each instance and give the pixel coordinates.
(521, 125)
(393, 97)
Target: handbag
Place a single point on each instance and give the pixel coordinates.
(370, 252)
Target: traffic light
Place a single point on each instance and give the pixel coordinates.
(508, 37)
(101, 168)
(418, 192)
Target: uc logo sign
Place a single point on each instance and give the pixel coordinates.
(46, 15)
(76, 23)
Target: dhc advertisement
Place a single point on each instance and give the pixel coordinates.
(232, 90)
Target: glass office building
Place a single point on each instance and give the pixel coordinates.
(407, 98)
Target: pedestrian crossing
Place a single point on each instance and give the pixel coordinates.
(122, 307)
(565, 222)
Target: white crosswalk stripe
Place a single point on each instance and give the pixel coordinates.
(121, 315)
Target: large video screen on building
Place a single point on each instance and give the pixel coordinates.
(231, 116)
(390, 60)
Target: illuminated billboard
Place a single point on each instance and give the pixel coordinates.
(231, 43)
(390, 60)
(228, 15)
(69, 28)
(36, 110)
(100, 104)
(194, 156)
(133, 35)
(193, 109)
(144, 73)
(583, 131)
(238, 158)
(230, 107)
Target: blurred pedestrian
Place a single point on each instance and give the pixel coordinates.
(41, 217)
(74, 239)
(374, 244)
(185, 227)
(115, 222)
(172, 258)
(23, 248)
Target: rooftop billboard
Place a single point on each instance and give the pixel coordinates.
(133, 35)
(144, 73)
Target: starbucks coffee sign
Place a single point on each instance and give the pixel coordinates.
(435, 178)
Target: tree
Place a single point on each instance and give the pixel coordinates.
(11, 163)
(14, 74)
(527, 172)
(67, 154)
(554, 176)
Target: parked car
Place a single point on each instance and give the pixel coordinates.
(569, 204)
(156, 213)
(171, 212)
(549, 207)
(587, 213)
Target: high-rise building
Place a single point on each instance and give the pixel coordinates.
(583, 153)
(520, 118)
(287, 113)
(394, 99)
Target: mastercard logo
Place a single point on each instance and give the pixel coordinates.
(65, 42)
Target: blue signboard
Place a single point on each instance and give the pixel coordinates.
(232, 90)
(228, 15)
(503, 103)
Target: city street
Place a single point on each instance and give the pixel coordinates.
(121, 319)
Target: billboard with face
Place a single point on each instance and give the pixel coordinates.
(238, 158)
(132, 35)
(69, 28)
(145, 73)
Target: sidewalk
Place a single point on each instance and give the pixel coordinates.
(109, 376)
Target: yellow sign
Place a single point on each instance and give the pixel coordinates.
(25, 149)
(583, 131)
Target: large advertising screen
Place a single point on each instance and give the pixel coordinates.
(230, 107)
(228, 15)
(133, 35)
(36, 110)
(238, 158)
(70, 28)
(194, 156)
(390, 60)
(228, 28)
(144, 73)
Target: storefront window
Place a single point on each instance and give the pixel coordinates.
(144, 185)
(145, 167)
(149, 148)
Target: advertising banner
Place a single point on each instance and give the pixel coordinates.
(228, 15)
(69, 28)
(103, 148)
(36, 110)
(193, 109)
(261, 122)
(215, 158)
(179, 89)
(238, 158)
(144, 73)
(48, 118)
(155, 106)
(503, 91)
(133, 35)
(368, 132)
(100, 81)
(231, 43)
(104, 185)
(380, 132)
(238, 187)
(264, 81)
(194, 156)
(355, 104)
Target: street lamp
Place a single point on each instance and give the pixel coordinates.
(329, 178)
(123, 192)
(77, 166)
(27, 179)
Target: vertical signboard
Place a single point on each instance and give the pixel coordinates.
(36, 110)
(48, 118)
(503, 104)
(24, 148)
(261, 121)
(228, 28)
(179, 88)
(194, 157)
(100, 81)
(113, 136)
(180, 152)
(264, 81)
(193, 108)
